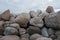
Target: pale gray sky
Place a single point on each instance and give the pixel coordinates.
(18, 6)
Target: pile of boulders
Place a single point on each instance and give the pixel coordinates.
(35, 25)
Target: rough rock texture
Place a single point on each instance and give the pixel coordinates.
(49, 9)
(31, 30)
(52, 21)
(12, 17)
(35, 14)
(10, 37)
(35, 25)
(57, 33)
(51, 33)
(10, 31)
(1, 27)
(22, 18)
(58, 37)
(43, 15)
(5, 15)
(35, 36)
(37, 21)
(15, 25)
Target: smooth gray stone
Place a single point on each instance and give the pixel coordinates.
(31, 30)
(51, 31)
(44, 32)
(10, 31)
(25, 35)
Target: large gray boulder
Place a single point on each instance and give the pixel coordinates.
(22, 19)
(10, 31)
(52, 20)
(37, 21)
(32, 30)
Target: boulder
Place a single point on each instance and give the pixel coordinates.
(51, 33)
(52, 21)
(44, 32)
(43, 38)
(35, 36)
(22, 31)
(43, 15)
(1, 27)
(34, 14)
(37, 21)
(22, 18)
(15, 25)
(10, 31)
(25, 36)
(12, 18)
(57, 33)
(58, 37)
(10, 37)
(6, 24)
(50, 9)
(31, 30)
(5, 15)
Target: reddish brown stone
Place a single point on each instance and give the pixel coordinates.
(22, 18)
(6, 15)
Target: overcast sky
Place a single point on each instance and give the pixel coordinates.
(18, 6)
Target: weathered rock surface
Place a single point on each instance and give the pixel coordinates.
(37, 21)
(10, 37)
(52, 21)
(57, 33)
(15, 25)
(25, 36)
(1, 27)
(22, 18)
(49, 9)
(35, 14)
(5, 15)
(43, 15)
(10, 31)
(31, 30)
(35, 36)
